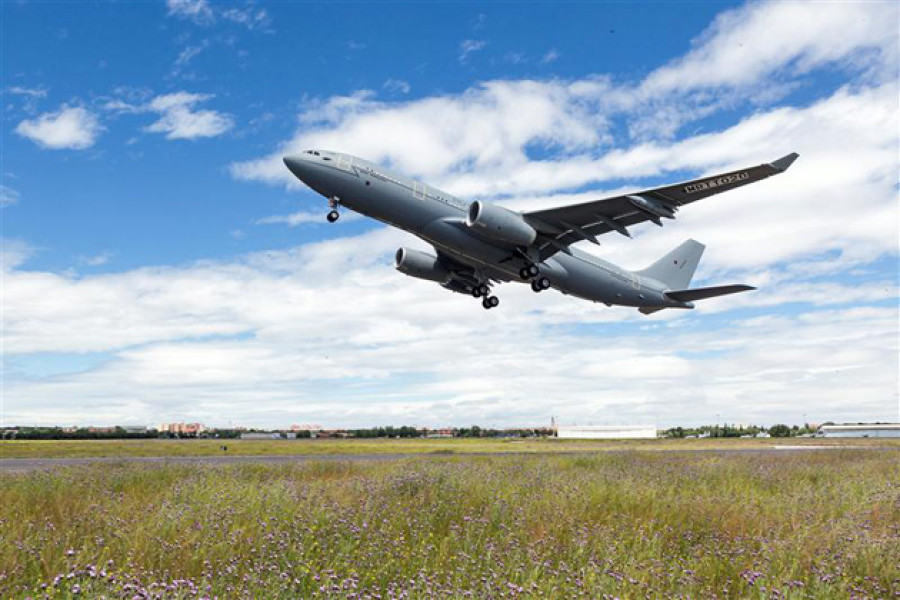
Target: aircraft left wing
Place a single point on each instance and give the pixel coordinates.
(560, 227)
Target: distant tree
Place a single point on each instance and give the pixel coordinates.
(780, 431)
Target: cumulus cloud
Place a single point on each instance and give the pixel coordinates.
(750, 43)
(70, 127)
(228, 337)
(180, 120)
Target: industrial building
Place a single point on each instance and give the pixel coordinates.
(606, 432)
(860, 430)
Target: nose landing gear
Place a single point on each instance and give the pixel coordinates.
(333, 215)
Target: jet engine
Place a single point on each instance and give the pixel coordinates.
(500, 224)
(416, 263)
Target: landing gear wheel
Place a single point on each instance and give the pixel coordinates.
(494, 301)
(543, 283)
(533, 271)
(333, 216)
(534, 286)
(484, 290)
(524, 274)
(486, 303)
(476, 292)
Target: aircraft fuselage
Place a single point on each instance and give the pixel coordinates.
(439, 218)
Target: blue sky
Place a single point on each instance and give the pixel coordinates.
(160, 263)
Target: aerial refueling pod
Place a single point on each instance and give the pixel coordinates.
(652, 207)
(422, 265)
(500, 224)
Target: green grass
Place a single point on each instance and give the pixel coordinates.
(628, 524)
(204, 447)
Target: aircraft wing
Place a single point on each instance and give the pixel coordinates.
(560, 227)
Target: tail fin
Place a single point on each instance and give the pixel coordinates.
(676, 268)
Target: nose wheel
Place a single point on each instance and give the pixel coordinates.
(333, 216)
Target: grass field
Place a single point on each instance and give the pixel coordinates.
(205, 447)
(631, 524)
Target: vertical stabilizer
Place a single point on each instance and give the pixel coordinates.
(676, 268)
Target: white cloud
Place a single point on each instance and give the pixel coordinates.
(73, 128)
(750, 43)
(274, 337)
(550, 56)
(187, 55)
(250, 17)
(396, 86)
(8, 196)
(30, 92)
(201, 12)
(468, 47)
(179, 119)
(198, 11)
(96, 260)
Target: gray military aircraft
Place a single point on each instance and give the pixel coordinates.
(478, 244)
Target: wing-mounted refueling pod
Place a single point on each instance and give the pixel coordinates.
(653, 208)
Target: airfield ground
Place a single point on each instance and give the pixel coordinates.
(629, 520)
(211, 447)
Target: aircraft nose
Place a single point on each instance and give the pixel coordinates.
(295, 165)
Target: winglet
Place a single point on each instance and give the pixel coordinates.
(784, 162)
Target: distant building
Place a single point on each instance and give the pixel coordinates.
(135, 428)
(101, 429)
(250, 435)
(440, 433)
(610, 432)
(306, 427)
(188, 429)
(860, 430)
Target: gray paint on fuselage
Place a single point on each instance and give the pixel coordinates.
(439, 218)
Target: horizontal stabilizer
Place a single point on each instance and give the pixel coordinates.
(709, 292)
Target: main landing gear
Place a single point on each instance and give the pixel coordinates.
(538, 282)
(483, 291)
(529, 271)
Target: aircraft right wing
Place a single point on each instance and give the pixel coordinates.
(560, 227)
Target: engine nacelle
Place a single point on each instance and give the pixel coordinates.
(422, 265)
(500, 224)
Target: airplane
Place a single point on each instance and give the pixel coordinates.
(479, 244)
